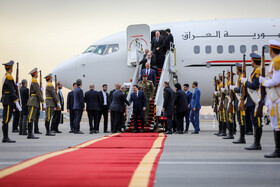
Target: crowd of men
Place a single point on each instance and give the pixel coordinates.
(244, 99)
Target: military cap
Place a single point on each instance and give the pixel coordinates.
(33, 72)
(8, 64)
(48, 76)
(144, 75)
(238, 65)
(274, 44)
(220, 75)
(255, 57)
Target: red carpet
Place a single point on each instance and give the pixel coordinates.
(117, 160)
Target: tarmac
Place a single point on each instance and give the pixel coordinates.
(187, 159)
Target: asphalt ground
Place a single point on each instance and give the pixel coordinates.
(187, 160)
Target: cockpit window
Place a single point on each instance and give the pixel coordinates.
(90, 49)
(112, 48)
(100, 49)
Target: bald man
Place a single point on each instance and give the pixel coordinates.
(158, 45)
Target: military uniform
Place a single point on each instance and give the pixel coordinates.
(272, 84)
(148, 89)
(216, 102)
(51, 102)
(8, 100)
(240, 114)
(252, 100)
(35, 97)
(220, 113)
(223, 112)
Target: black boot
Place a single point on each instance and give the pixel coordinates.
(230, 134)
(257, 139)
(220, 129)
(24, 125)
(20, 125)
(241, 140)
(224, 129)
(30, 132)
(6, 138)
(276, 152)
(49, 133)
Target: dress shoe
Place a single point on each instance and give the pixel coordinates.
(71, 131)
(186, 132)
(24, 133)
(180, 132)
(15, 130)
(37, 132)
(194, 132)
(239, 141)
(141, 130)
(57, 131)
(8, 140)
(228, 137)
(168, 132)
(79, 132)
(249, 133)
(31, 136)
(50, 134)
(217, 133)
(135, 131)
(106, 132)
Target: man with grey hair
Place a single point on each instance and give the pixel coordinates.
(24, 93)
(116, 87)
(78, 107)
(158, 45)
(92, 99)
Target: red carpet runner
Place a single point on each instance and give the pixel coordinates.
(116, 160)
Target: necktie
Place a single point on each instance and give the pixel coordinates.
(147, 72)
(157, 39)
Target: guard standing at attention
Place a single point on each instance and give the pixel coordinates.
(51, 102)
(33, 103)
(252, 99)
(8, 100)
(147, 87)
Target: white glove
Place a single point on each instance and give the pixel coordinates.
(44, 105)
(231, 87)
(18, 106)
(216, 93)
(223, 89)
(42, 89)
(261, 79)
(58, 105)
(18, 84)
(243, 80)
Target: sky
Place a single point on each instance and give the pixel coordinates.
(43, 34)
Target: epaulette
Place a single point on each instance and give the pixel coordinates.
(34, 80)
(9, 76)
(50, 84)
(258, 72)
(276, 63)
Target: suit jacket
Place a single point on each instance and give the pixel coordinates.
(92, 99)
(168, 103)
(70, 100)
(111, 97)
(144, 60)
(61, 99)
(78, 99)
(168, 40)
(138, 102)
(189, 97)
(8, 90)
(195, 102)
(119, 101)
(181, 102)
(24, 94)
(35, 94)
(101, 104)
(152, 76)
(159, 44)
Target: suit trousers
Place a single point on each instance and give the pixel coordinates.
(104, 112)
(194, 118)
(72, 118)
(93, 115)
(137, 115)
(187, 117)
(77, 119)
(180, 120)
(116, 116)
(169, 123)
(16, 115)
(55, 120)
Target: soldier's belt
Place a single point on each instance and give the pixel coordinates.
(49, 97)
(33, 94)
(6, 92)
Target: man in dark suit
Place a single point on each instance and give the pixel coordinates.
(168, 105)
(158, 49)
(92, 100)
(116, 87)
(103, 107)
(168, 40)
(148, 58)
(139, 106)
(57, 113)
(70, 103)
(24, 94)
(181, 107)
(117, 108)
(189, 98)
(195, 107)
(151, 74)
(78, 107)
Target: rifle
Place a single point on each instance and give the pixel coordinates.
(242, 99)
(221, 107)
(216, 97)
(17, 88)
(259, 112)
(41, 84)
(55, 83)
(230, 107)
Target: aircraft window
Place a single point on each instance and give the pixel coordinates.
(90, 49)
(208, 49)
(112, 48)
(100, 49)
(196, 49)
(243, 49)
(266, 48)
(254, 48)
(220, 49)
(231, 49)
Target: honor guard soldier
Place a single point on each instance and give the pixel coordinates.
(147, 87)
(216, 102)
(223, 112)
(35, 97)
(272, 84)
(51, 102)
(8, 100)
(220, 113)
(252, 99)
(240, 114)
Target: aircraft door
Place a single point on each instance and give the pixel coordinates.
(138, 39)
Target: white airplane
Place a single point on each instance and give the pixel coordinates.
(203, 49)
